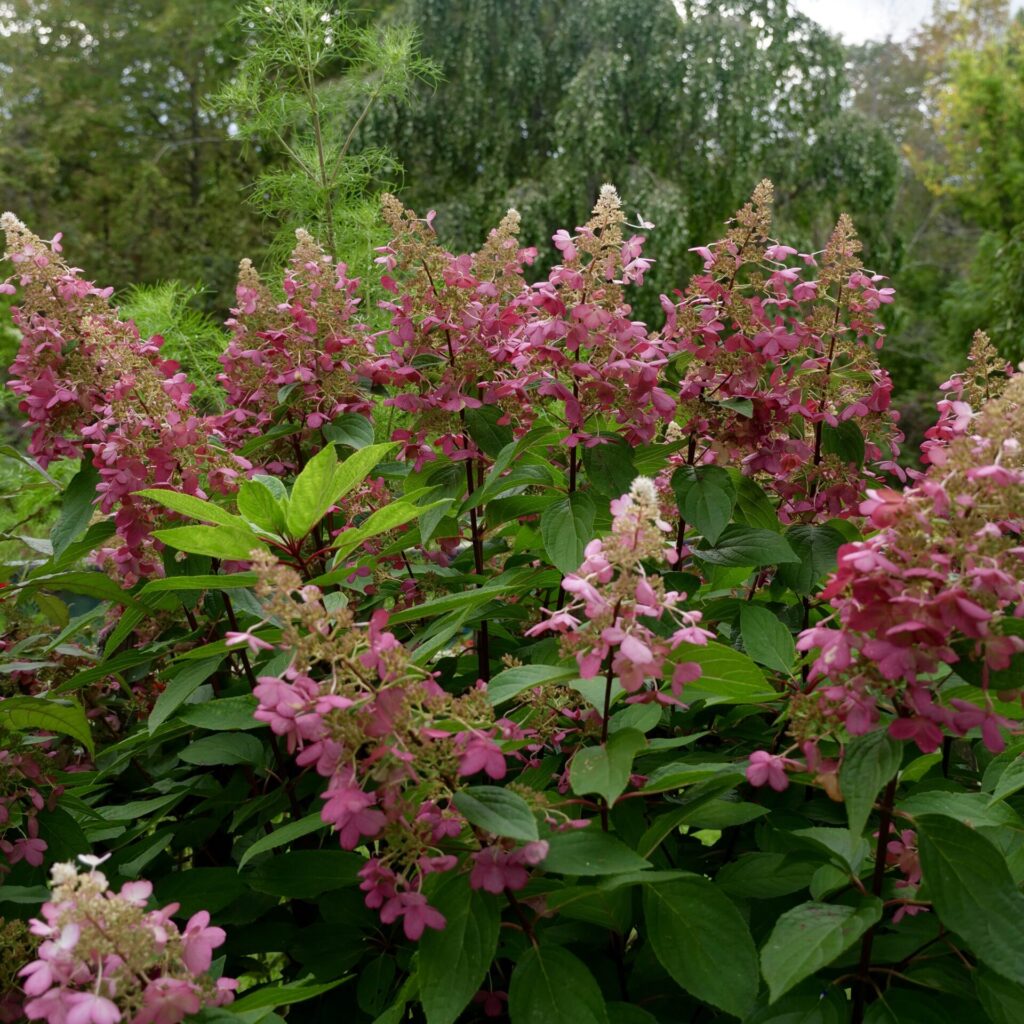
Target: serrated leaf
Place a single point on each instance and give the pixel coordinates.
(846, 848)
(513, 681)
(489, 435)
(973, 892)
(1011, 781)
(273, 484)
(869, 762)
(722, 814)
(269, 997)
(193, 507)
(742, 406)
(815, 548)
(971, 809)
(808, 1004)
(551, 986)
(747, 546)
(499, 811)
(224, 542)
(809, 937)
(447, 603)
(355, 469)
(974, 671)
(226, 748)
(589, 851)
(313, 492)
(1002, 999)
(12, 453)
(225, 714)
(701, 939)
(26, 714)
(95, 535)
(567, 527)
(76, 509)
(753, 506)
(24, 894)
(390, 517)
(702, 794)
(628, 1013)
(8, 667)
(324, 481)
(92, 584)
(39, 545)
(257, 504)
(766, 639)
(351, 430)
(454, 961)
(727, 676)
(827, 880)
(126, 625)
(845, 441)
(493, 482)
(605, 769)
(53, 609)
(765, 876)
(676, 775)
(374, 984)
(609, 466)
(305, 874)
(450, 482)
(172, 584)
(642, 717)
(199, 888)
(706, 497)
(282, 836)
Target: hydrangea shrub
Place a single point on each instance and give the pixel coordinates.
(519, 660)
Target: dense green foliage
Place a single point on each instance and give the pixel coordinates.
(191, 336)
(543, 102)
(980, 120)
(107, 136)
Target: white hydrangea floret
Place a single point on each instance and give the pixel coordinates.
(643, 491)
(62, 873)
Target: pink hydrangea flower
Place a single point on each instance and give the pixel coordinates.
(767, 770)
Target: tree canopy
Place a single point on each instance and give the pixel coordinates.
(108, 136)
(685, 107)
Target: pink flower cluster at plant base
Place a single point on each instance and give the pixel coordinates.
(939, 587)
(614, 594)
(370, 728)
(105, 958)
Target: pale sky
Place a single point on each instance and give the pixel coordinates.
(859, 20)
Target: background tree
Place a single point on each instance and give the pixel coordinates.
(978, 117)
(107, 138)
(685, 107)
(309, 77)
(923, 242)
